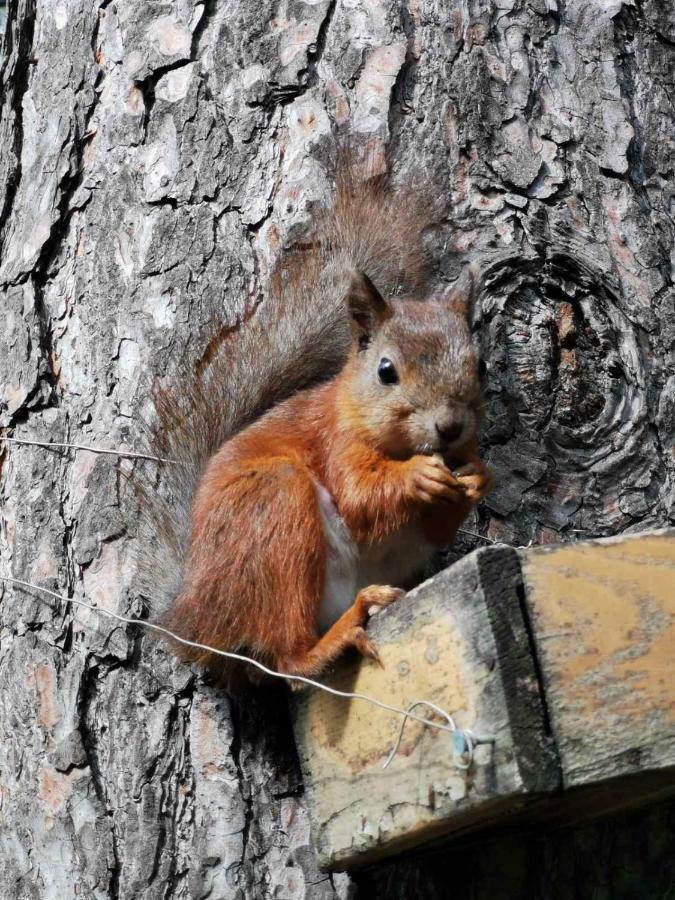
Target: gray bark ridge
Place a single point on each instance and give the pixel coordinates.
(155, 157)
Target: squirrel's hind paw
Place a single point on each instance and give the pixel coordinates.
(370, 600)
(361, 642)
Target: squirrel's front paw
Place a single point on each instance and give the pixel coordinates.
(431, 481)
(476, 479)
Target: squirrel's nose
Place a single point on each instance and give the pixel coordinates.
(449, 430)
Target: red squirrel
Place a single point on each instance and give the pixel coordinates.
(324, 449)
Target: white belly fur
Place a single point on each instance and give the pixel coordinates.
(351, 566)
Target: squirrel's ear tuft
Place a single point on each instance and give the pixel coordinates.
(367, 307)
(460, 296)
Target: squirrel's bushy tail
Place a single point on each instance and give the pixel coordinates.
(298, 336)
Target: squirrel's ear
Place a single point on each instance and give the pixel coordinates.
(460, 296)
(367, 307)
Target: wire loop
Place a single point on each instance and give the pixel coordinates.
(240, 657)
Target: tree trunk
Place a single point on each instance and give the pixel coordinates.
(154, 157)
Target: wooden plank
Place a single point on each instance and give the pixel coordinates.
(602, 615)
(460, 641)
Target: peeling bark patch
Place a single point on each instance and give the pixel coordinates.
(45, 679)
(375, 86)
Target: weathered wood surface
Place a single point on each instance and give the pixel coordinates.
(564, 654)
(603, 622)
(153, 157)
(459, 641)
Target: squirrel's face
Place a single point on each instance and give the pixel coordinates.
(414, 371)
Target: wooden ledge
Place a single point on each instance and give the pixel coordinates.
(564, 654)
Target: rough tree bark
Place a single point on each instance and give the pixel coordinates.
(153, 158)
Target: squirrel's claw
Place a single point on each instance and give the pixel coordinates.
(371, 599)
(476, 479)
(365, 646)
(432, 482)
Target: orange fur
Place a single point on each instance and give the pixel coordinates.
(257, 560)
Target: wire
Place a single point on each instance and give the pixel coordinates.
(350, 695)
(409, 715)
(406, 713)
(482, 537)
(132, 454)
(53, 445)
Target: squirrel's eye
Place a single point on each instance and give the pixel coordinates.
(386, 372)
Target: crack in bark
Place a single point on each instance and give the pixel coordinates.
(12, 89)
(86, 701)
(315, 56)
(280, 95)
(398, 105)
(167, 837)
(236, 749)
(209, 14)
(67, 189)
(71, 181)
(625, 28)
(148, 85)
